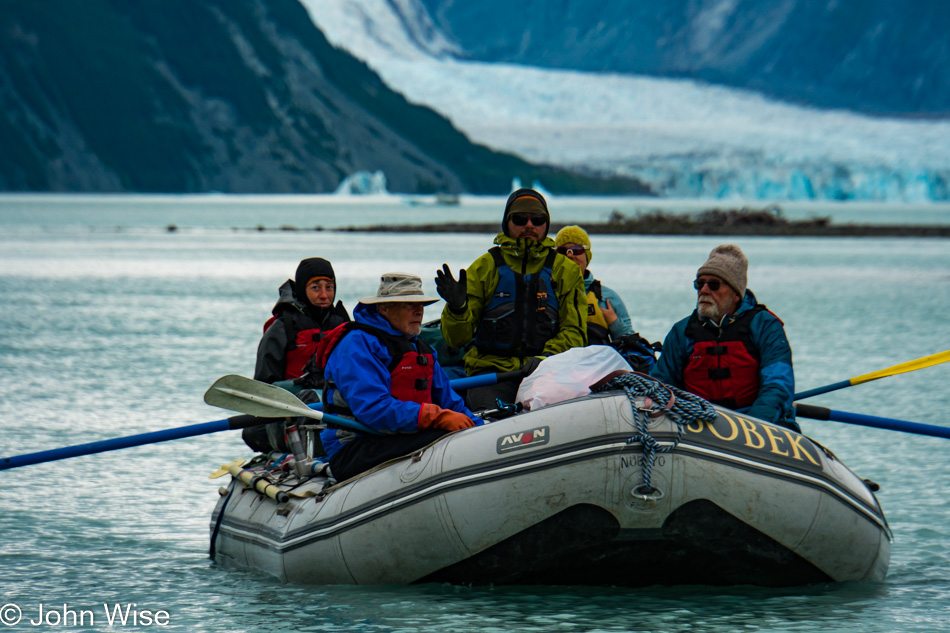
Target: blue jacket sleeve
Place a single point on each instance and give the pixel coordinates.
(622, 325)
(669, 367)
(776, 376)
(358, 368)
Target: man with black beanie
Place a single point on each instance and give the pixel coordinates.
(517, 304)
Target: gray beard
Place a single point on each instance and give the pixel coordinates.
(708, 311)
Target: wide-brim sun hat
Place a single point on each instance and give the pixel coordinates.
(400, 288)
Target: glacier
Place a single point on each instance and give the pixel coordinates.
(684, 138)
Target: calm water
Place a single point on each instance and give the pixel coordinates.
(114, 326)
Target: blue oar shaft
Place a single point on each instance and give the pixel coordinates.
(458, 384)
(346, 423)
(821, 413)
(820, 390)
(483, 380)
(124, 442)
(236, 422)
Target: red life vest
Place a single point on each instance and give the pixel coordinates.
(301, 345)
(724, 365)
(303, 337)
(410, 368)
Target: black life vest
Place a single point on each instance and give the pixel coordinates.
(598, 332)
(522, 314)
(724, 365)
(410, 367)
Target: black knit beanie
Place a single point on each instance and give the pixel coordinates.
(307, 270)
(524, 201)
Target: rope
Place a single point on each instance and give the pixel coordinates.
(645, 395)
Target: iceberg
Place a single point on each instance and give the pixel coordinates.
(363, 183)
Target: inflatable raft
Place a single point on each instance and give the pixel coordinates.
(591, 491)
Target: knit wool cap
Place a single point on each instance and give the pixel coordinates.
(573, 235)
(524, 201)
(307, 270)
(729, 263)
(399, 288)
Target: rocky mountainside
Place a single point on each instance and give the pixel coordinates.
(873, 56)
(234, 96)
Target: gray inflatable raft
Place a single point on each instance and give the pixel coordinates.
(559, 496)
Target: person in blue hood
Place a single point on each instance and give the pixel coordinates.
(731, 350)
(380, 373)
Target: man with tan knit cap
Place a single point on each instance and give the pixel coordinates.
(731, 350)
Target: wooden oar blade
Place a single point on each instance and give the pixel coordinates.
(238, 393)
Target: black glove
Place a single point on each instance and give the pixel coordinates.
(530, 364)
(454, 292)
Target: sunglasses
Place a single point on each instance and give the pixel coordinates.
(571, 249)
(521, 219)
(714, 284)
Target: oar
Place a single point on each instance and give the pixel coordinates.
(229, 424)
(458, 384)
(246, 395)
(262, 402)
(485, 379)
(903, 368)
(821, 413)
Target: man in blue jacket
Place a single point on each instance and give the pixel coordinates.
(731, 350)
(379, 372)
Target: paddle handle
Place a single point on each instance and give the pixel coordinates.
(483, 380)
(821, 413)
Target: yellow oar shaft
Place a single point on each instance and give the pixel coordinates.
(903, 368)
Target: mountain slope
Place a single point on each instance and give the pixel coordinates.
(872, 56)
(219, 95)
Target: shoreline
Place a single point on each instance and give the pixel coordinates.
(767, 222)
(760, 222)
(841, 230)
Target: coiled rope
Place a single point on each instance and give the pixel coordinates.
(650, 398)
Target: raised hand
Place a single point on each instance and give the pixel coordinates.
(454, 292)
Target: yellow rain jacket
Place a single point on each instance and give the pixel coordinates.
(524, 257)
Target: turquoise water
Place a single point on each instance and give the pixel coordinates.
(114, 326)
(328, 211)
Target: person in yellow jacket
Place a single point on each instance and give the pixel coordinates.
(607, 317)
(517, 304)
